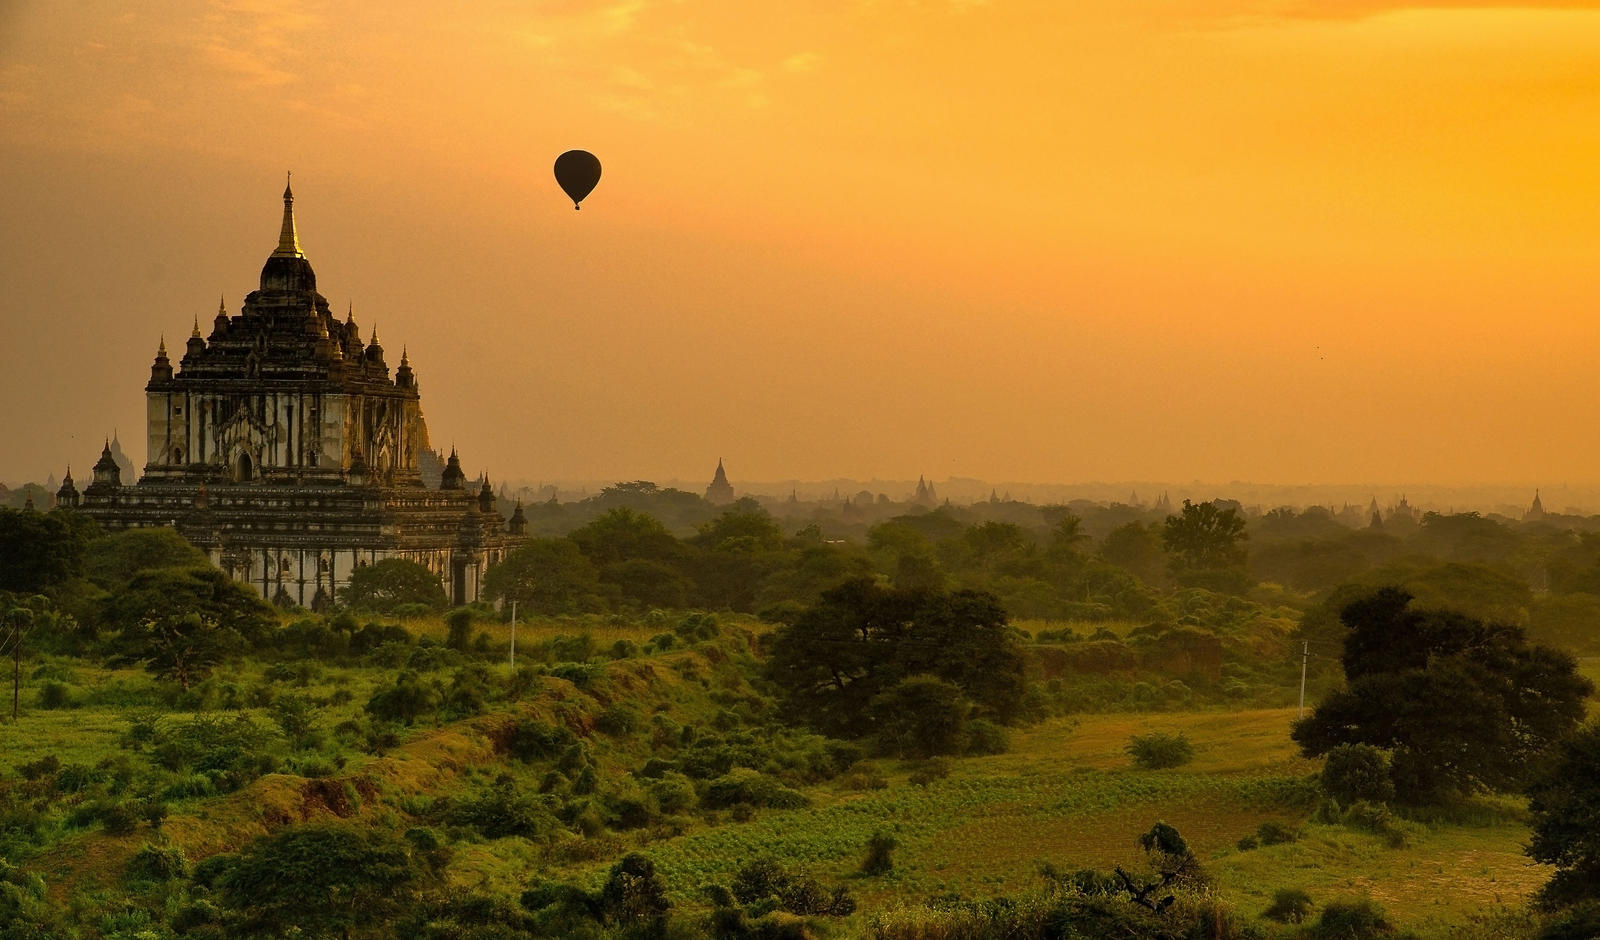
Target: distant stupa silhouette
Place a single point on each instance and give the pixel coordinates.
(720, 490)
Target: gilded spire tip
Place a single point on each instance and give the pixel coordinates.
(374, 340)
(222, 305)
(288, 239)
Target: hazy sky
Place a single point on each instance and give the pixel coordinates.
(1155, 239)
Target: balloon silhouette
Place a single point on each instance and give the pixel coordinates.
(577, 171)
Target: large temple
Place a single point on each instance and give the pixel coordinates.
(283, 447)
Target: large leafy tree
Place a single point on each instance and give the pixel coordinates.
(392, 582)
(1205, 543)
(622, 534)
(546, 576)
(1565, 803)
(322, 880)
(1461, 705)
(862, 639)
(114, 559)
(182, 647)
(168, 595)
(41, 550)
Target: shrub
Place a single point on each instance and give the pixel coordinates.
(750, 788)
(673, 792)
(922, 716)
(459, 624)
(407, 700)
(1273, 833)
(936, 768)
(43, 767)
(617, 720)
(530, 739)
(1159, 750)
(880, 854)
(501, 810)
(986, 737)
(55, 695)
(152, 863)
(1248, 843)
(566, 648)
(120, 819)
(698, 627)
(1289, 906)
(1377, 819)
(1358, 919)
(1358, 772)
(633, 892)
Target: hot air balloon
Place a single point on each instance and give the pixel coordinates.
(577, 171)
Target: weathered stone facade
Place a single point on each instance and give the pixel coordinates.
(283, 447)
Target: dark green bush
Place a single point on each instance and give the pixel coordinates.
(750, 788)
(1352, 919)
(1358, 773)
(880, 854)
(404, 702)
(153, 863)
(1160, 750)
(55, 695)
(1289, 906)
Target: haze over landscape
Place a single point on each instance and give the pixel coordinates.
(1282, 242)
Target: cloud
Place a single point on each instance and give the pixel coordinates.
(247, 66)
(1362, 9)
(803, 62)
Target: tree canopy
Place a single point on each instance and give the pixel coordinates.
(1461, 705)
(392, 582)
(862, 639)
(1204, 542)
(323, 879)
(1565, 803)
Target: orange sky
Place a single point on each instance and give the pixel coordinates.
(1271, 240)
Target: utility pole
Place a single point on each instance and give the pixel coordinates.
(1305, 655)
(513, 634)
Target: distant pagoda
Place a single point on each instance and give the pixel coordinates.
(720, 491)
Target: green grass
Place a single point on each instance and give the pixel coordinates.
(1066, 794)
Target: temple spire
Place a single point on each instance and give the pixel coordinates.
(288, 240)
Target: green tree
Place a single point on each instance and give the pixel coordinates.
(622, 534)
(1355, 773)
(1460, 705)
(327, 880)
(113, 560)
(391, 583)
(181, 647)
(166, 595)
(41, 550)
(546, 576)
(1135, 548)
(1565, 803)
(861, 639)
(1205, 544)
(922, 716)
(745, 528)
(633, 892)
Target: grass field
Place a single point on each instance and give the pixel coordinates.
(1065, 793)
